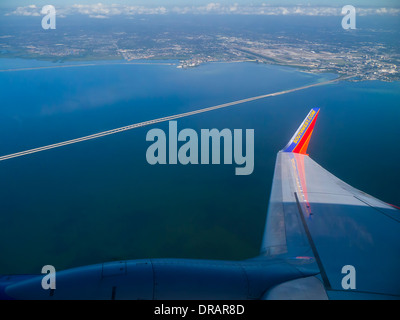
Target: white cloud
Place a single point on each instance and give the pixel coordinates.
(30, 10)
(98, 16)
(101, 11)
(233, 8)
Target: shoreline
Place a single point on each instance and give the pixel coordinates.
(172, 62)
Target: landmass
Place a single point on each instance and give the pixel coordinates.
(367, 54)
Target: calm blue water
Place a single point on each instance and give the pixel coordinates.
(100, 200)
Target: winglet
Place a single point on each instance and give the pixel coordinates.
(301, 139)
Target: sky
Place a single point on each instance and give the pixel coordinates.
(109, 8)
(167, 3)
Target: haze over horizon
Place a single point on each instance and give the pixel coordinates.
(104, 10)
(373, 3)
(200, 6)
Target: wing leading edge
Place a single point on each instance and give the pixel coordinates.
(314, 214)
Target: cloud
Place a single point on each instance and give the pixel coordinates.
(98, 16)
(26, 11)
(101, 11)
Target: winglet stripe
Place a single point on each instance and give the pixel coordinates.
(300, 140)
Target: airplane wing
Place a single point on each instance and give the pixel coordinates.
(353, 238)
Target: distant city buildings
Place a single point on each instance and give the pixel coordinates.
(367, 59)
